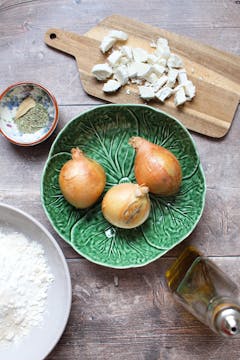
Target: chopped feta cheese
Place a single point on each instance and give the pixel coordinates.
(152, 78)
(190, 90)
(111, 86)
(174, 61)
(182, 77)
(128, 92)
(107, 43)
(160, 82)
(124, 60)
(121, 74)
(162, 42)
(114, 57)
(127, 51)
(140, 55)
(162, 51)
(132, 70)
(162, 62)
(146, 92)
(172, 77)
(152, 59)
(158, 69)
(118, 35)
(143, 70)
(164, 93)
(180, 97)
(102, 71)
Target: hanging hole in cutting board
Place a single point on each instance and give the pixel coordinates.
(52, 36)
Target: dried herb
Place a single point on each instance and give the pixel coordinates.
(33, 120)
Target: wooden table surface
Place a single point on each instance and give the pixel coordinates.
(124, 314)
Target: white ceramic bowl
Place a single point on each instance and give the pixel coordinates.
(41, 340)
(10, 100)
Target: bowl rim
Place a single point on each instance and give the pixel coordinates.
(51, 155)
(61, 255)
(54, 101)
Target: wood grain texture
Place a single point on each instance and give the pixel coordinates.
(138, 319)
(215, 73)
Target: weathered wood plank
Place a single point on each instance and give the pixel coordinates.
(131, 314)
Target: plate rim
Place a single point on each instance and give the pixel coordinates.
(64, 262)
(51, 155)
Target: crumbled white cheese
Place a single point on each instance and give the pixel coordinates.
(182, 77)
(162, 62)
(190, 90)
(121, 74)
(160, 82)
(127, 51)
(114, 58)
(164, 93)
(152, 78)
(172, 77)
(107, 43)
(174, 61)
(146, 92)
(158, 69)
(159, 73)
(139, 55)
(118, 35)
(102, 71)
(128, 92)
(111, 86)
(152, 59)
(180, 97)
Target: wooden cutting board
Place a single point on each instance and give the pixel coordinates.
(216, 74)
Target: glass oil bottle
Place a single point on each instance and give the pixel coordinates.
(205, 291)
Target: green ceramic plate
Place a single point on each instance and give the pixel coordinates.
(103, 134)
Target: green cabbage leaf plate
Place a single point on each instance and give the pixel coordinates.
(103, 134)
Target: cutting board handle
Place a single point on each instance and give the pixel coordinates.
(63, 40)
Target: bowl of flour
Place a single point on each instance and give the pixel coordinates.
(35, 287)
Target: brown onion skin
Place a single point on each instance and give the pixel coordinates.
(126, 205)
(156, 167)
(81, 180)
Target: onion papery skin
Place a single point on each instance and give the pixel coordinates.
(126, 205)
(156, 167)
(81, 180)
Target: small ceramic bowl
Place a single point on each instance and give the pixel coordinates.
(10, 100)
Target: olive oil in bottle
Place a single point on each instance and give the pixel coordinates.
(205, 291)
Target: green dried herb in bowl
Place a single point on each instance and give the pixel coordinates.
(33, 120)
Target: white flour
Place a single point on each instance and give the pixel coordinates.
(24, 280)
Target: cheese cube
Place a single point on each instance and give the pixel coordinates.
(172, 77)
(102, 71)
(152, 59)
(121, 74)
(190, 90)
(174, 61)
(139, 55)
(162, 62)
(152, 78)
(107, 43)
(118, 35)
(164, 93)
(163, 51)
(162, 42)
(143, 70)
(114, 57)
(111, 86)
(132, 70)
(182, 77)
(180, 97)
(127, 51)
(146, 92)
(158, 69)
(160, 82)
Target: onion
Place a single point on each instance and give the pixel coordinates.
(126, 205)
(82, 180)
(156, 167)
